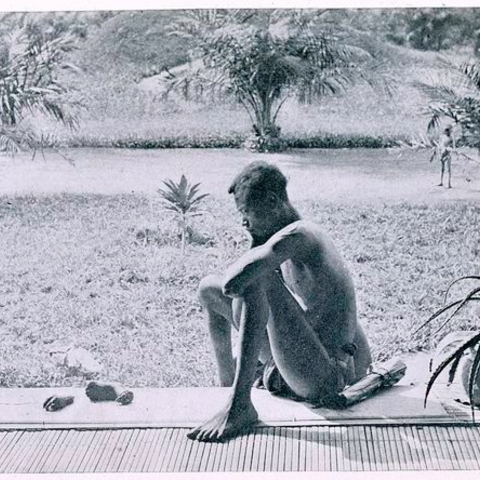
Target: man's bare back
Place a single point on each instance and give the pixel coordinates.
(293, 301)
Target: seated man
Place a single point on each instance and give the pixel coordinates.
(292, 300)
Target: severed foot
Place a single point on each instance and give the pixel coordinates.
(103, 392)
(54, 403)
(227, 424)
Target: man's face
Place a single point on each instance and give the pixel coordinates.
(259, 220)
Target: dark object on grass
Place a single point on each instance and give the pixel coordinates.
(54, 403)
(102, 392)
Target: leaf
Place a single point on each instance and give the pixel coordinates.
(453, 369)
(442, 310)
(183, 183)
(468, 277)
(470, 296)
(201, 197)
(458, 352)
(474, 369)
(436, 314)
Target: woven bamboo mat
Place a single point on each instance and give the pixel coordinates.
(280, 449)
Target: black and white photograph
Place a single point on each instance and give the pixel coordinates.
(240, 238)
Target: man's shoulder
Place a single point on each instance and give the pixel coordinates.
(301, 228)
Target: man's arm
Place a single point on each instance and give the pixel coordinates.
(291, 241)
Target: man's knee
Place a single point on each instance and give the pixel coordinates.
(209, 289)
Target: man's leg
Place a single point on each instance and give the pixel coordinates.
(239, 413)
(299, 355)
(302, 360)
(442, 163)
(449, 171)
(218, 310)
(362, 356)
(222, 313)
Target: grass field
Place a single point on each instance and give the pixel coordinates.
(105, 272)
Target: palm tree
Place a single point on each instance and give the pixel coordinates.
(454, 95)
(262, 57)
(30, 61)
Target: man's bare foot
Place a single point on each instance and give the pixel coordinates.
(103, 392)
(54, 403)
(228, 423)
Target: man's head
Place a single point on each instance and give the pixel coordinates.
(260, 191)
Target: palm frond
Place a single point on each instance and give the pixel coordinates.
(17, 139)
(453, 369)
(470, 296)
(458, 352)
(472, 378)
(472, 72)
(440, 93)
(467, 277)
(443, 310)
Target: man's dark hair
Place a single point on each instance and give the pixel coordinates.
(256, 180)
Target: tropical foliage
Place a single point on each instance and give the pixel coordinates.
(31, 58)
(183, 200)
(433, 29)
(260, 58)
(454, 95)
(469, 345)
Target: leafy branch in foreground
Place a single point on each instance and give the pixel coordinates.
(183, 200)
(469, 346)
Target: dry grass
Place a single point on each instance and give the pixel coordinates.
(107, 272)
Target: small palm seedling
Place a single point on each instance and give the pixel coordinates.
(468, 346)
(183, 200)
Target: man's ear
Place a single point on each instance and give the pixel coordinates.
(272, 200)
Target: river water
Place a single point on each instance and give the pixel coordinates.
(353, 175)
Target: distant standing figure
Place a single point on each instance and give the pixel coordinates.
(444, 151)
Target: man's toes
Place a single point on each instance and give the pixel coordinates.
(192, 434)
(201, 436)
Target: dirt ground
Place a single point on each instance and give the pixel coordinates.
(338, 175)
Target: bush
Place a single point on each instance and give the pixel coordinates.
(233, 140)
(340, 141)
